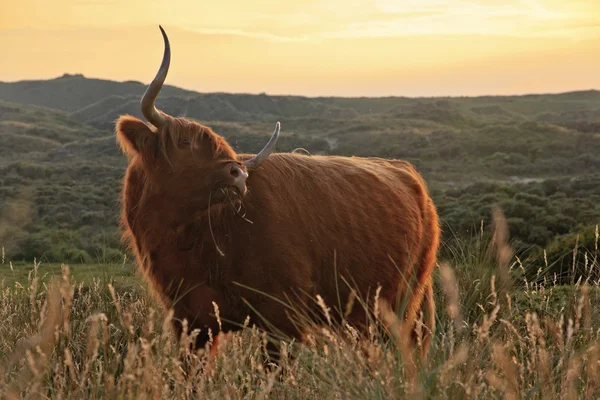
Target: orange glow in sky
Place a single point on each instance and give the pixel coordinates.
(336, 47)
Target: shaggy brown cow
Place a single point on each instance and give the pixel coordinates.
(209, 225)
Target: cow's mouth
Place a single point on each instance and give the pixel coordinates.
(240, 189)
(234, 193)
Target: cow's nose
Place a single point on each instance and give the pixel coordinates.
(239, 178)
(237, 172)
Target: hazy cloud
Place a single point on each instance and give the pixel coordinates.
(344, 47)
(313, 19)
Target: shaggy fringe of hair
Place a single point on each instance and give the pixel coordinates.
(177, 129)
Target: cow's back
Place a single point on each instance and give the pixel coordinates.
(369, 220)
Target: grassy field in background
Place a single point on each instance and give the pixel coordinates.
(122, 274)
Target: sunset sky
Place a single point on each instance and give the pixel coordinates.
(336, 47)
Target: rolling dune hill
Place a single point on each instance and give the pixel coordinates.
(534, 155)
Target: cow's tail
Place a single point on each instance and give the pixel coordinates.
(421, 310)
(427, 330)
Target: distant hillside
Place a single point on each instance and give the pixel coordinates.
(98, 102)
(536, 156)
(32, 129)
(73, 92)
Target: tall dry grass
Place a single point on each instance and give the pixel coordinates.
(498, 336)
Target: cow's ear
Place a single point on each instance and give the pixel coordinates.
(135, 137)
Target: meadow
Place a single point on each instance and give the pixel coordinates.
(499, 335)
(517, 290)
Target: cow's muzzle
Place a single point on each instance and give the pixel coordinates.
(239, 179)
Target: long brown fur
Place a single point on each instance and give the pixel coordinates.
(304, 222)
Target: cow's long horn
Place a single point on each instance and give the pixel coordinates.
(258, 159)
(149, 110)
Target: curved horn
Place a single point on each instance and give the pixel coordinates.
(154, 116)
(258, 159)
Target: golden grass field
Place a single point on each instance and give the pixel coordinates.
(79, 335)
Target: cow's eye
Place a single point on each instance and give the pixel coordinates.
(185, 141)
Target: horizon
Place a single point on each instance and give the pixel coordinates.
(369, 48)
(76, 74)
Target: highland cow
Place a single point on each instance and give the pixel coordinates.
(253, 233)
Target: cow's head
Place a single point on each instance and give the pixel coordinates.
(183, 159)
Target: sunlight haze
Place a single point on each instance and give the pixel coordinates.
(342, 48)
